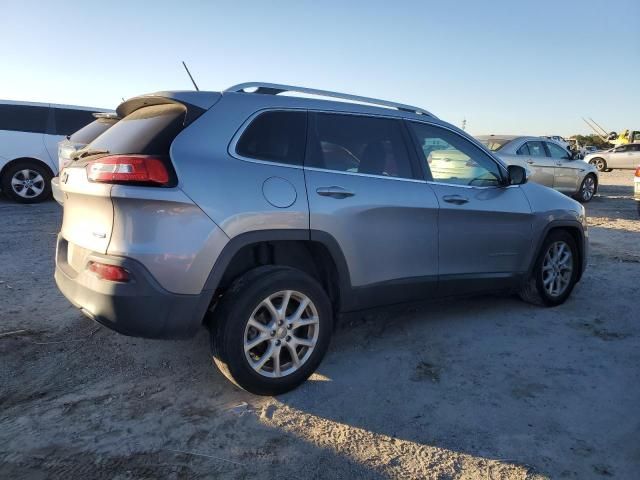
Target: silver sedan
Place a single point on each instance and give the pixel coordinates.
(550, 164)
(622, 157)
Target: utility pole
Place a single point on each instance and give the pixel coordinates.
(464, 123)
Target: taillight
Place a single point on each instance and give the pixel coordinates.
(637, 172)
(128, 168)
(113, 273)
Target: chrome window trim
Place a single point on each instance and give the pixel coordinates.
(232, 147)
(469, 186)
(385, 177)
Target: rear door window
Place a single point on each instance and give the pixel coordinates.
(68, 121)
(23, 118)
(277, 136)
(536, 149)
(148, 130)
(358, 144)
(89, 133)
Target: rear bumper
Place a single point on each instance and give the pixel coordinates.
(139, 308)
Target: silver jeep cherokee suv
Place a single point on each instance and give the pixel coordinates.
(265, 215)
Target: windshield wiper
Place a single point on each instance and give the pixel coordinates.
(85, 153)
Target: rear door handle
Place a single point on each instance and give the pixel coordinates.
(334, 192)
(456, 199)
(530, 162)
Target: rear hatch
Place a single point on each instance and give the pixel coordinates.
(134, 151)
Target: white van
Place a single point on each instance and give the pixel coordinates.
(29, 136)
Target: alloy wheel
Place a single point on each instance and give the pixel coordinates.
(27, 183)
(281, 334)
(588, 188)
(557, 268)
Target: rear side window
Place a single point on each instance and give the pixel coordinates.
(358, 144)
(89, 133)
(23, 118)
(523, 150)
(68, 121)
(148, 130)
(275, 137)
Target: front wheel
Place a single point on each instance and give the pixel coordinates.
(555, 272)
(271, 329)
(588, 189)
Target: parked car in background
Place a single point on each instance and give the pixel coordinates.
(587, 149)
(551, 164)
(68, 147)
(623, 157)
(266, 215)
(636, 184)
(560, 140)
(29, 136)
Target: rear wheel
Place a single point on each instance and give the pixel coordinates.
(27, 182)
(600, 164)
(271, 329)
(588, 189)
(555, 272)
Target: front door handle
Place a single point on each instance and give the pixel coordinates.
(455, 199)
(334, 192)
(530, 162)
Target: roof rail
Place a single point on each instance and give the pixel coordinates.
(275, 89)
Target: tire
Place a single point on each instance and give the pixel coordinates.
(588, 189)
(608, 170)
(599, 163)
(231, 330)
(534, 290)
(14, 178)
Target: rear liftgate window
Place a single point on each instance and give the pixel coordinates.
(148, 130)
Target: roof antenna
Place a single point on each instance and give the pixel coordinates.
(189, 73)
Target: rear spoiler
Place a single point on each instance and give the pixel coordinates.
(196, 103)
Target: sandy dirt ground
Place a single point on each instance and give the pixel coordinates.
(481, 388)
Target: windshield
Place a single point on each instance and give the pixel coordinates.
(494, 144)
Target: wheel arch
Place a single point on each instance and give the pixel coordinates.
(315, 253)
(575, 230)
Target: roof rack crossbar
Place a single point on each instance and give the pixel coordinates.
(275, 89)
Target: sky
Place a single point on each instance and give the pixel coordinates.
(507, 67)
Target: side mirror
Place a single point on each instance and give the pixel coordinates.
(517, 175)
